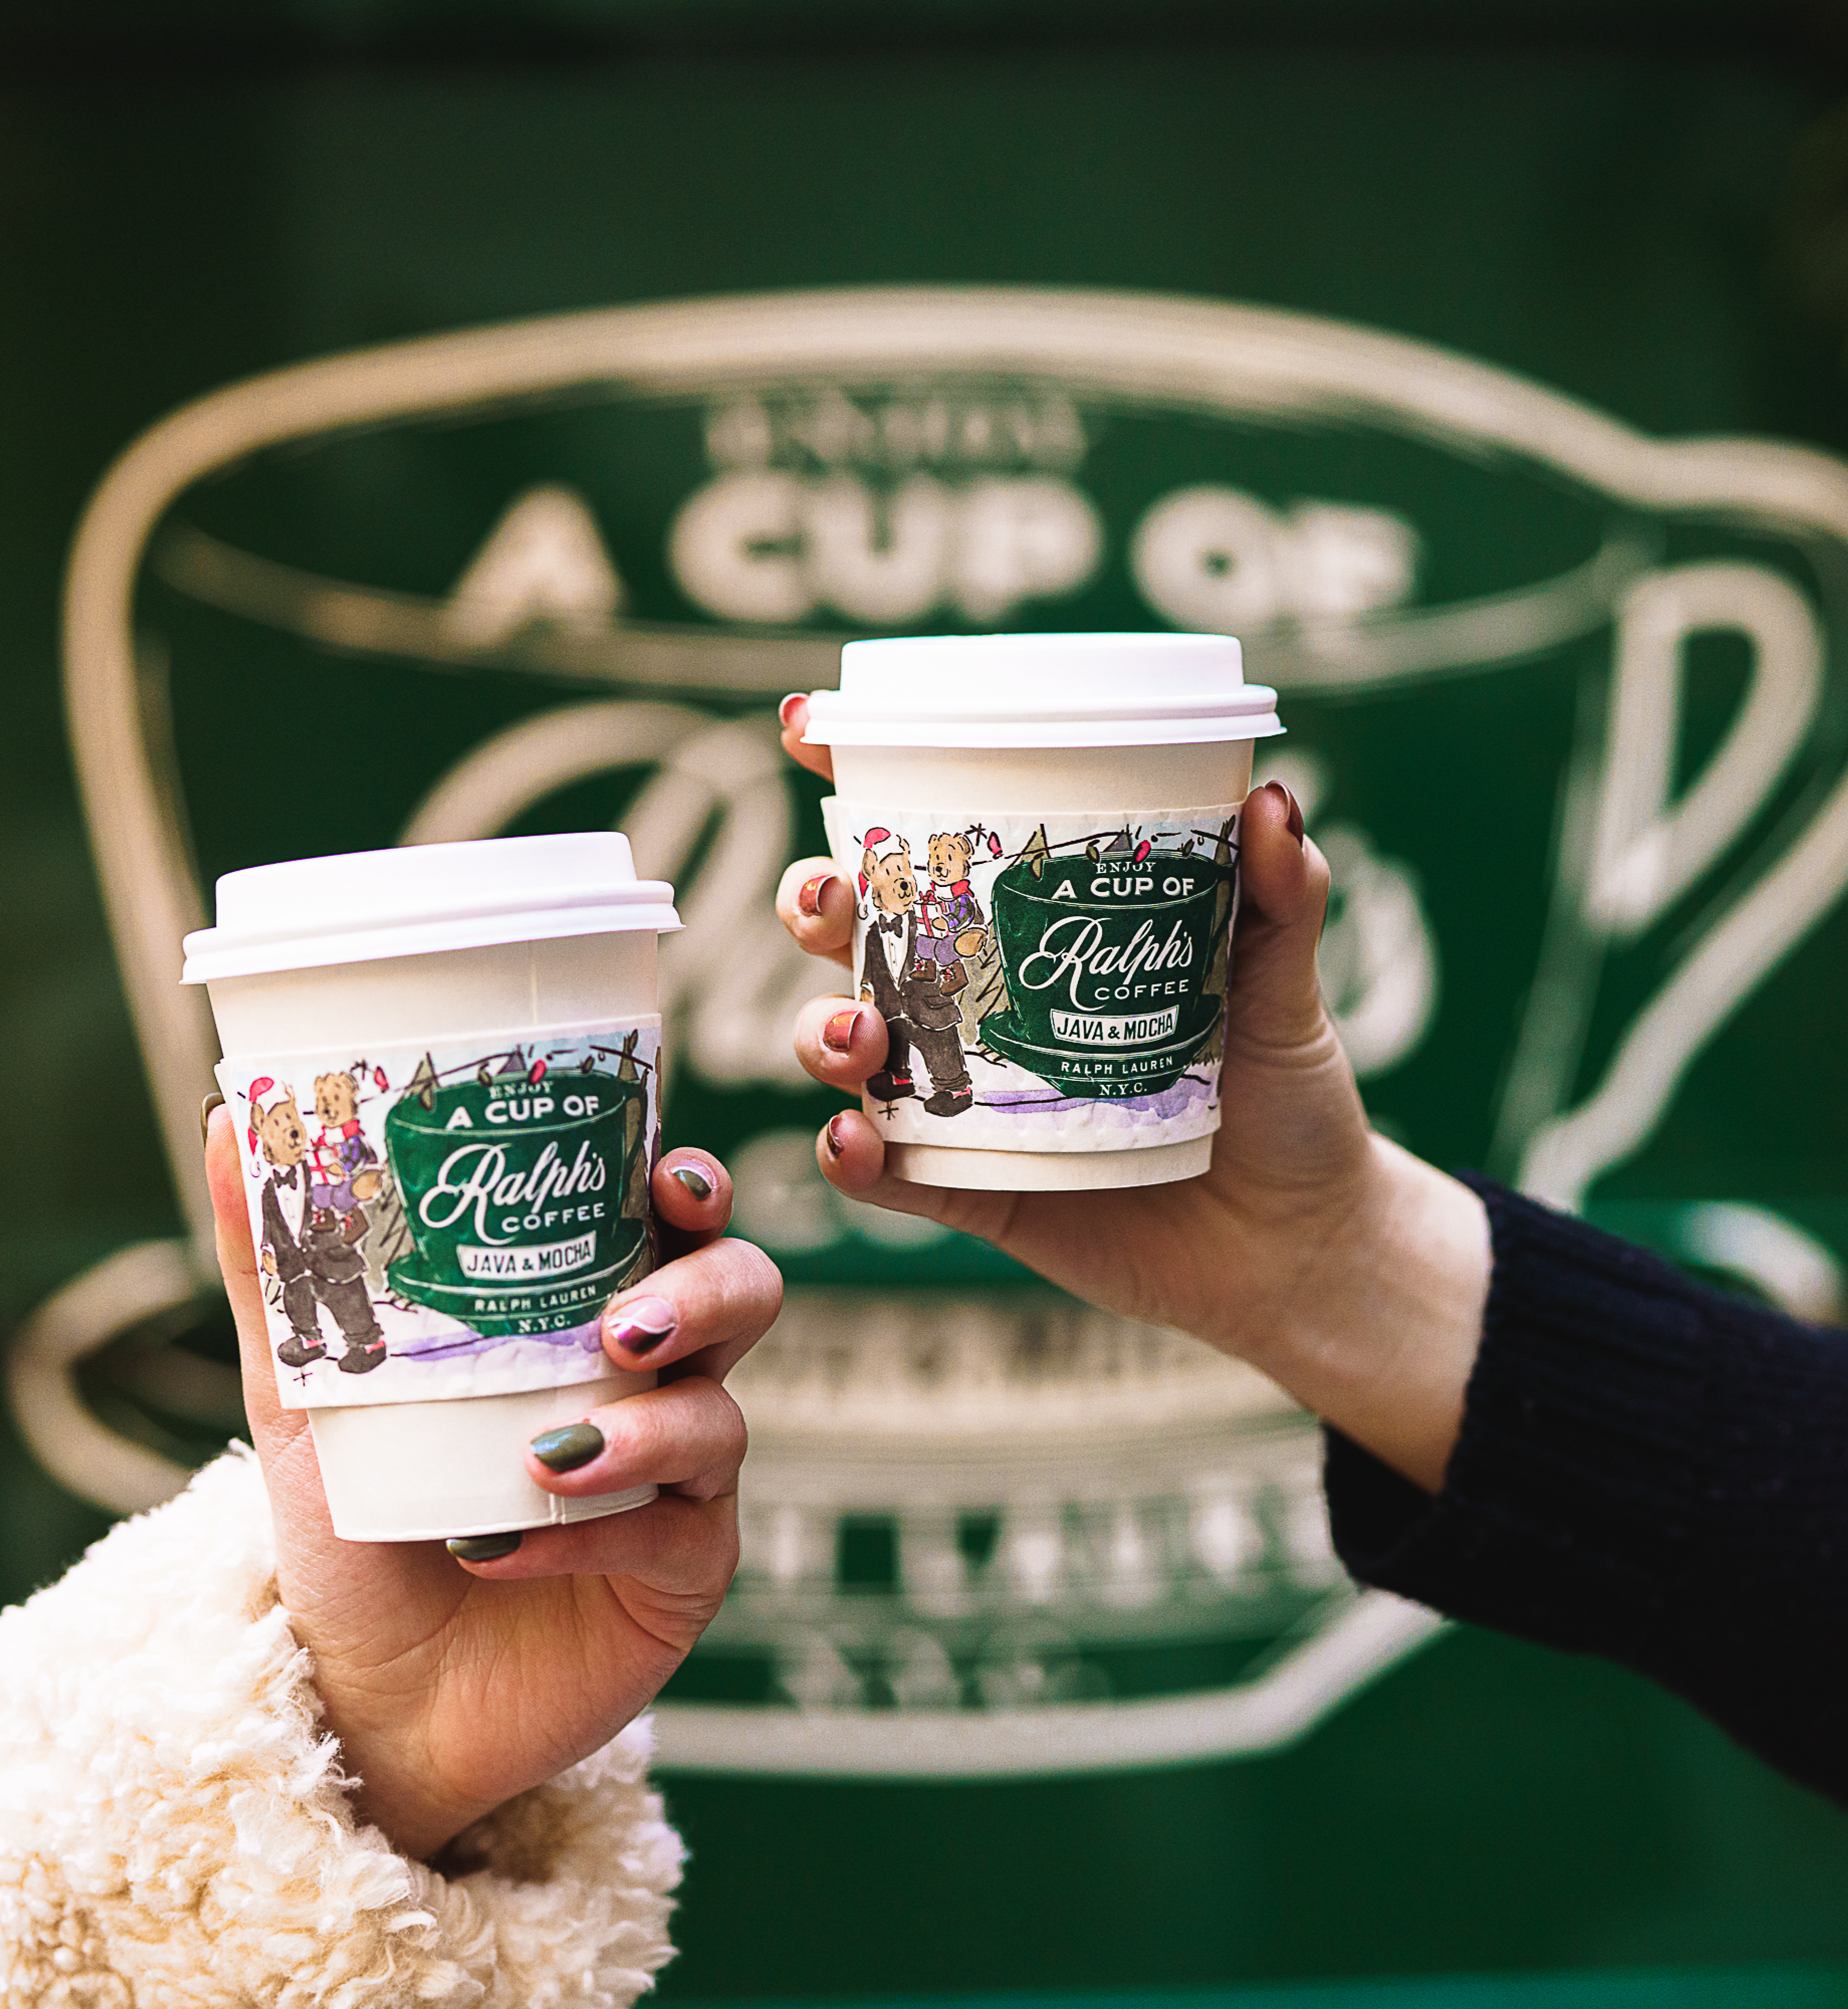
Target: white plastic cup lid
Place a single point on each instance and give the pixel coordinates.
(1043, 690)
(420, 898)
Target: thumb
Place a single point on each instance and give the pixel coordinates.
(1275, 998)
(237, 1261)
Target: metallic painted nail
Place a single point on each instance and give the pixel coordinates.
(695, 1176)
(1293, 816)
(569, 1446)
(482, 1548)
(789, 705)
(831, 1137)
(213, 1101)
(641, 1325)
(808, 898)
(836, 1035)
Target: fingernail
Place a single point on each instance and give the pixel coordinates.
(566, 1447)
(836, 1035)
(786, 711)
(1294, 817)
(833, 1137)
(808, 898)
(695, 1178)
(482, 1548)
(213, 1101)
(641, 1325)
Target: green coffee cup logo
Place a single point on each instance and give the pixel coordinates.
(1115, 962)
(526, 1200)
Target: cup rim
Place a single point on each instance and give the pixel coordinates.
(313, 913)
(1043, 690)
(1004, 734)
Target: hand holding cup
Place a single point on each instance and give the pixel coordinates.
(455, 1682)
(1320, 1252)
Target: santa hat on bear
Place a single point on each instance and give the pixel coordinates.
(872, 837)
(263, 1095)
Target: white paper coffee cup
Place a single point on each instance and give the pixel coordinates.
(443, 1061)
(1042, 833)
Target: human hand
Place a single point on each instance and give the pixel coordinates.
(453, 1686)
(1347, 1270)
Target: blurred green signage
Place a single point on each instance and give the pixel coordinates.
(1038, 1657)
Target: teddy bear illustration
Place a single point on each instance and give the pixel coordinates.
(343, 1167)
(951, 923)
(308, 1249)
(907, 988)
(337, 1273)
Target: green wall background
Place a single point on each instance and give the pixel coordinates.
(1637, 213)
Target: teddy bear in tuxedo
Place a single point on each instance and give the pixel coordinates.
(906, 988)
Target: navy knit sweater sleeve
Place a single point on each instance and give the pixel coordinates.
(1648, 1471)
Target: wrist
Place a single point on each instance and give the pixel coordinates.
(398, 1781)
(1380, 1338)
(416, 1821)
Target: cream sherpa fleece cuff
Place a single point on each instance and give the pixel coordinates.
(174, 1832)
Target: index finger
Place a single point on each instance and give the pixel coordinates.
(792, 715)
(701, 1313)
(815, 902)
(237, 1264)
(280, 1435)
(692, 1193)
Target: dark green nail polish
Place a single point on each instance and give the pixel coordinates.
(213, 1101)
(569, 1446)
(482, 1548)
(694, 1180)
